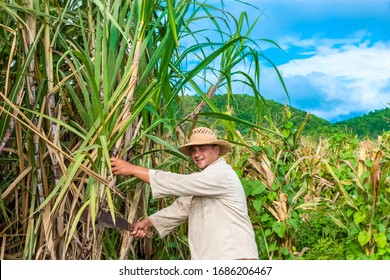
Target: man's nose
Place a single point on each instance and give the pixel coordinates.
(196, 153)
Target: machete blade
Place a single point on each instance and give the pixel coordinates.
(105, 221)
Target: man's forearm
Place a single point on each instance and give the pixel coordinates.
(165, 220)
(141, 173)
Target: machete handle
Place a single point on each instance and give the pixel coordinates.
(148, 233)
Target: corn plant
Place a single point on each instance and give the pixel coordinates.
(362, 207)
(268, 166)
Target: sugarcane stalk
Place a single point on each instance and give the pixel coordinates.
(12, 123)
(19, 98)
(126, 244)
(11, 55)
(51, 102)
(29, 36)
(130, 92)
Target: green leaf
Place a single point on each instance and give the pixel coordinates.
(286, 132)
(381, 251)
(258, 189)
(293, 223)
(275, 186)
(382, 228)
(285, 251)
(288, 125)
(267, 232)
(257, 204)
(171, 17)
(264, 218)
(75, 222)
(272, 247)
(359, 217)
(380, 240)
(364, 237)
(279, 228)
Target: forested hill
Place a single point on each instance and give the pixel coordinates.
(244, 107)
(369, 125)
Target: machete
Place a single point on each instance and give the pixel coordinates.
(105, 221)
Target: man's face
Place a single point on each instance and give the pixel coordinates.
(204, 155)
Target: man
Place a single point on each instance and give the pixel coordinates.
(213, 201)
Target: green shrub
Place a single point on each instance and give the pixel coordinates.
(323, 239)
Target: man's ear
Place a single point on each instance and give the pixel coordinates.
(218, 148)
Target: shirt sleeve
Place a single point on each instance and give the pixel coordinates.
(211, 182)
(165, 220)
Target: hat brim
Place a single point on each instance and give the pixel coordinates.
(225, 146)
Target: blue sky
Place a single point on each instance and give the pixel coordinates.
(336, 59)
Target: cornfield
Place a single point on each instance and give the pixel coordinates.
(82, 81)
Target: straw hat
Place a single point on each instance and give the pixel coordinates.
(205, 136)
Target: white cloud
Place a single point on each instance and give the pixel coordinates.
(317, 44)
(350, 78)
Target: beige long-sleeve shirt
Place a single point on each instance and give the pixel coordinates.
(214, 203)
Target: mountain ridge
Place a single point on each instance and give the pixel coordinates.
(243, 106)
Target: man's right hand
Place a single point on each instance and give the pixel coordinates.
(121, 167)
